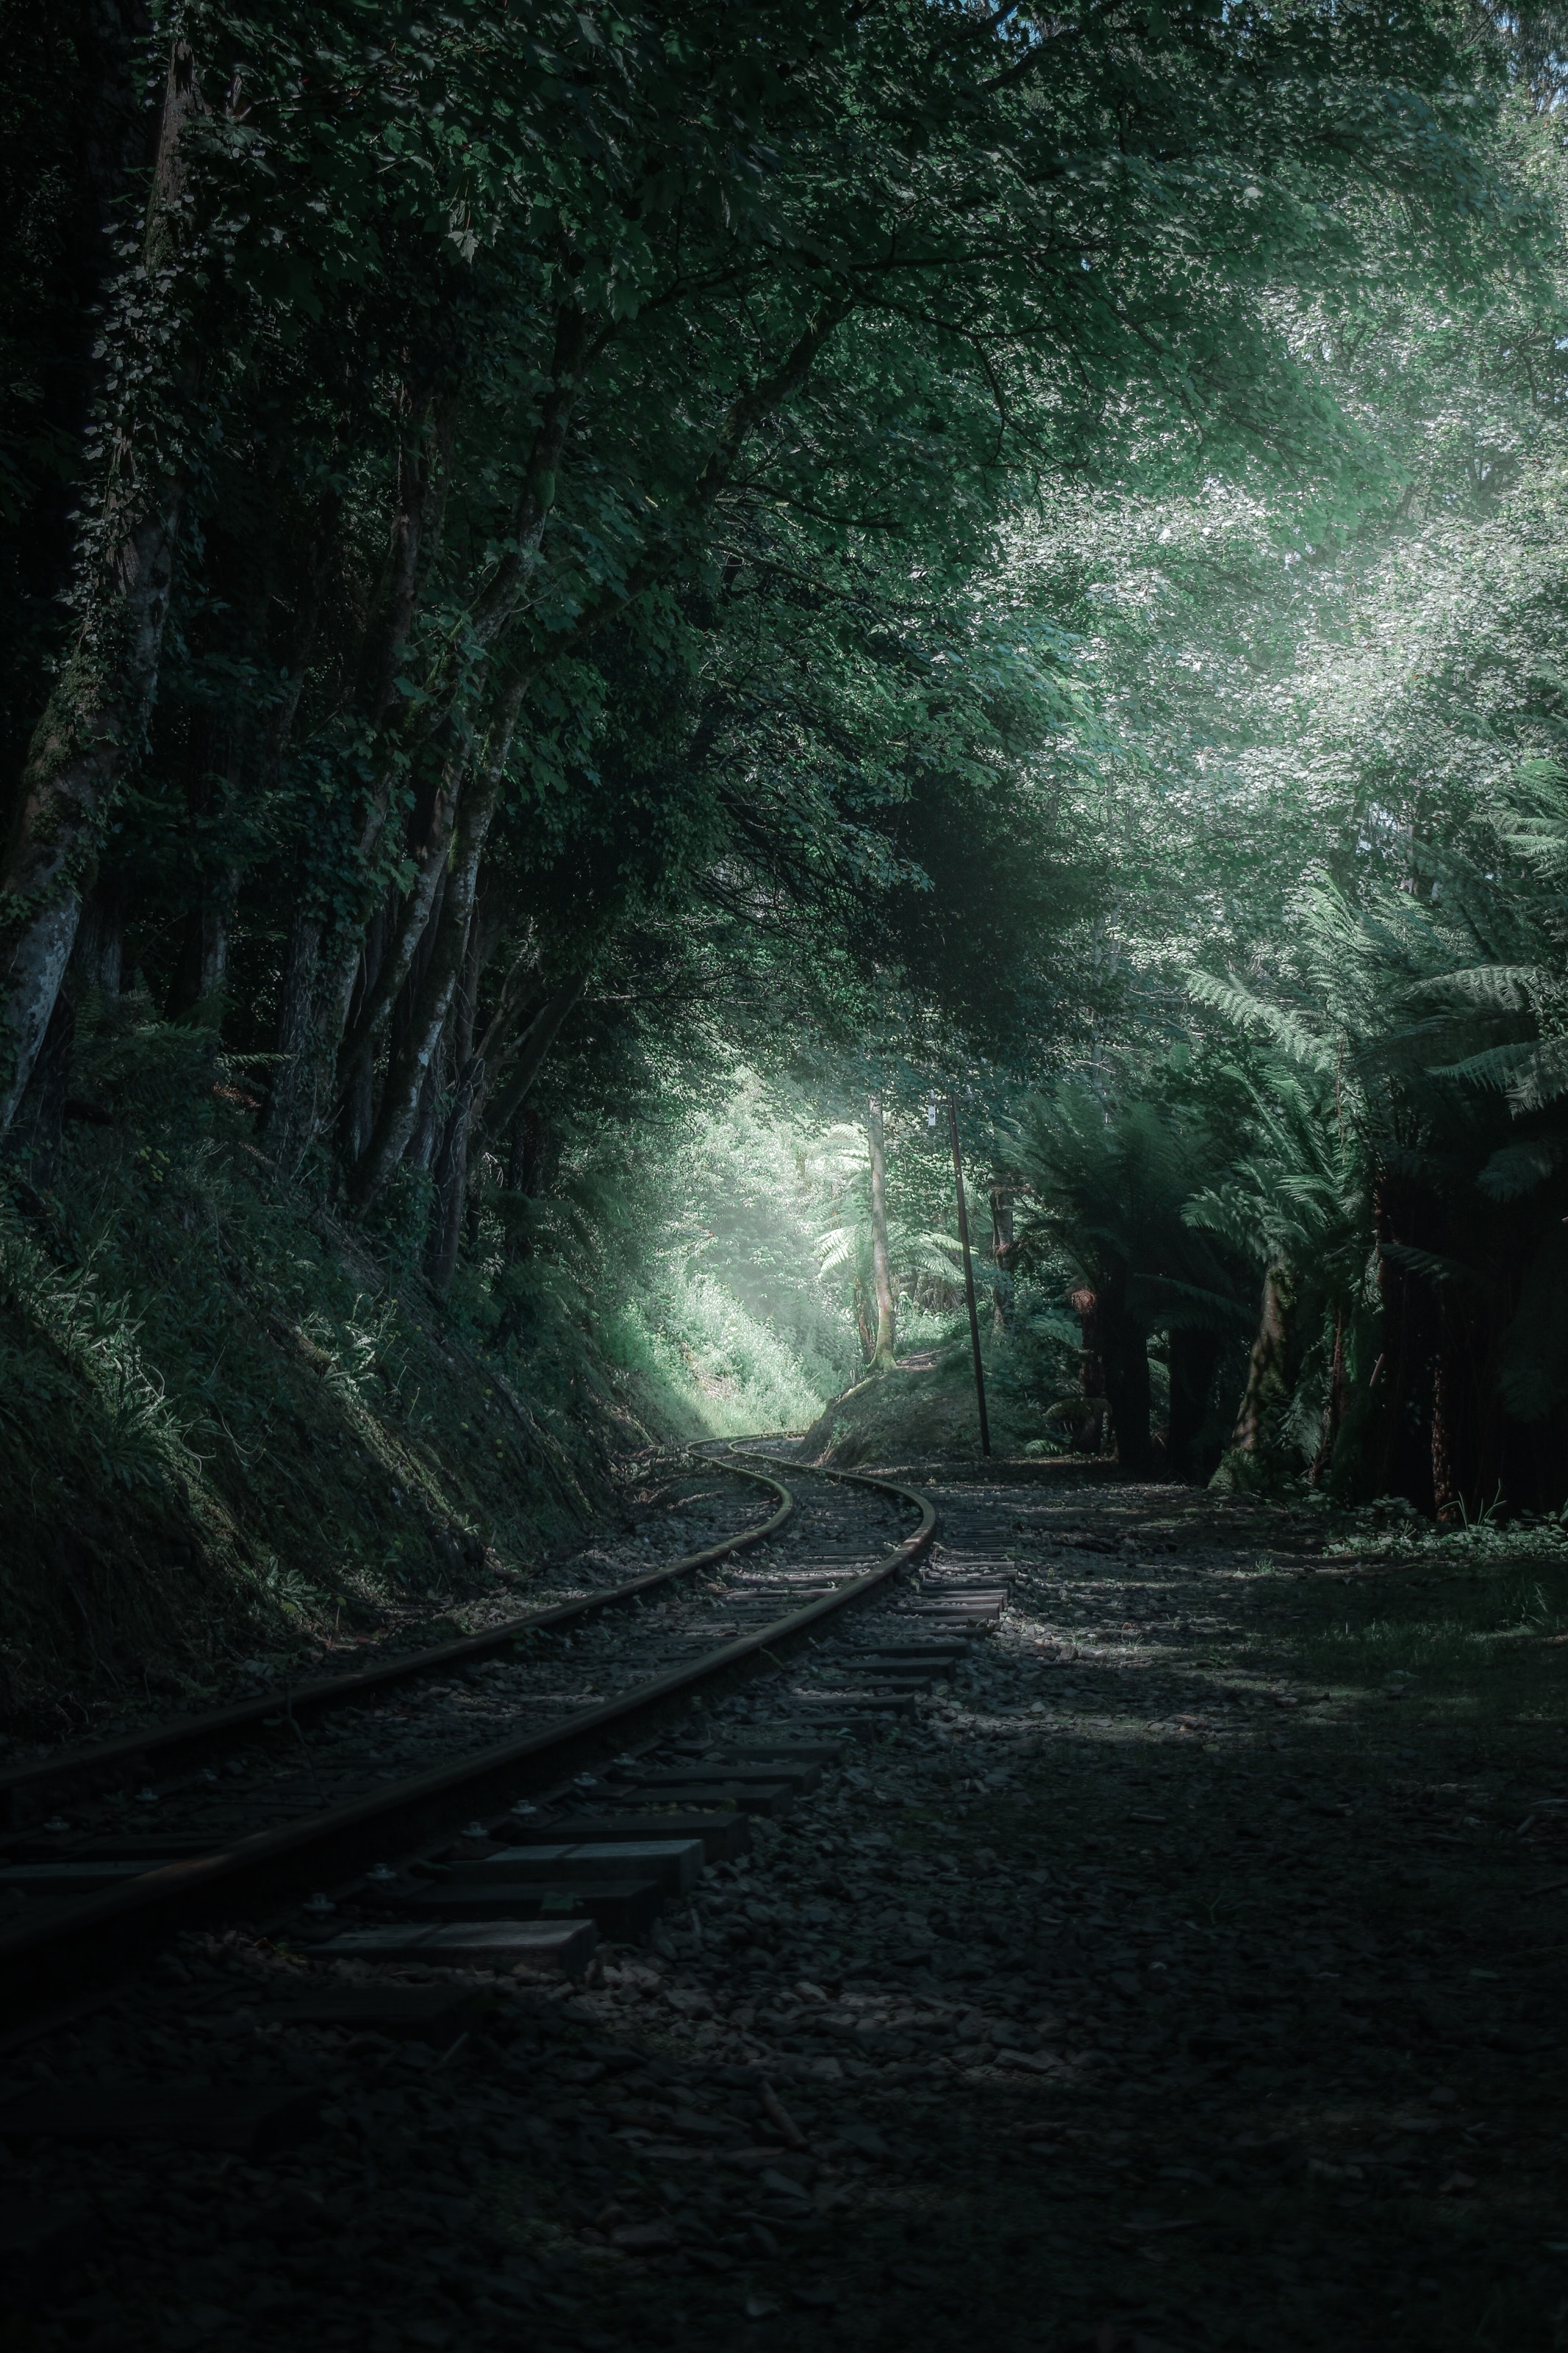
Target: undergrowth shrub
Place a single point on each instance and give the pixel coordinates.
(709, 1366)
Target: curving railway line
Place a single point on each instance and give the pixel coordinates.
(505, 1798)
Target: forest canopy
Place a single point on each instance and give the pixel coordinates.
(600, 610)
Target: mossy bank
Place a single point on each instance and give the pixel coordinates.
(230, 1426)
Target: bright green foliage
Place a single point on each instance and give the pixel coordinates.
(917, 1257)
(707, 1365)
(1336, 816)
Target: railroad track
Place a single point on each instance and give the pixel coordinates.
(374, 1796)
(170, 1750)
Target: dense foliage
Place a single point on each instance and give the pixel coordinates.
(595, 604)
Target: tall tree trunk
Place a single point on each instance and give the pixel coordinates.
(425, 1135)
(287, 1124)
(40, 1124)
(114, 132)
(1334, 1411)
(409, 1067)
(451, 1174)
(212, 780)
(418, 506)
(1269, 1371)
(413, 929)
(359, 1094)
(863, 1322)
(421, 451)
(1410, 1317)
(289, 1120)
(95, 714)
(529, 1166)
(1124, 1352)
(451, 1165)
(881, 1277)
(534, 1046)
(98, 706)
(1003, 1250)
(427, 1117)
(406, 1004)
(100, 939)
(1446, 1495)
(214, 932)
(303, 1103)
(1194, 1360)
(1469, 1465)
(1090, 1432)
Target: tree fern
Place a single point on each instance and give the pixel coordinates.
(1449, 1009)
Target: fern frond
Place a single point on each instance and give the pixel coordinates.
(1544, 1079)
(1438, 1267)
(1494, 1066)
(1252, 1013)
(1509, 988)
(1516, 1169)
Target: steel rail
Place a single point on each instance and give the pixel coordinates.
(90, 1937)
(27, 1791)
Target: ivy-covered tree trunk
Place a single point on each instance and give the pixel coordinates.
(420, 1152)
(286, 1118)
(881, 1274)
(288, 1122)
(98, 706)
(451, 1174)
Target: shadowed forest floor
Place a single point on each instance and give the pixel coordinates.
(1197, 1977)
(1187, 1975)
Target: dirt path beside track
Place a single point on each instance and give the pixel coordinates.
(1193, 1967)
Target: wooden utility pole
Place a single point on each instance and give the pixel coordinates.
(881, 1273)
(968, 1277)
